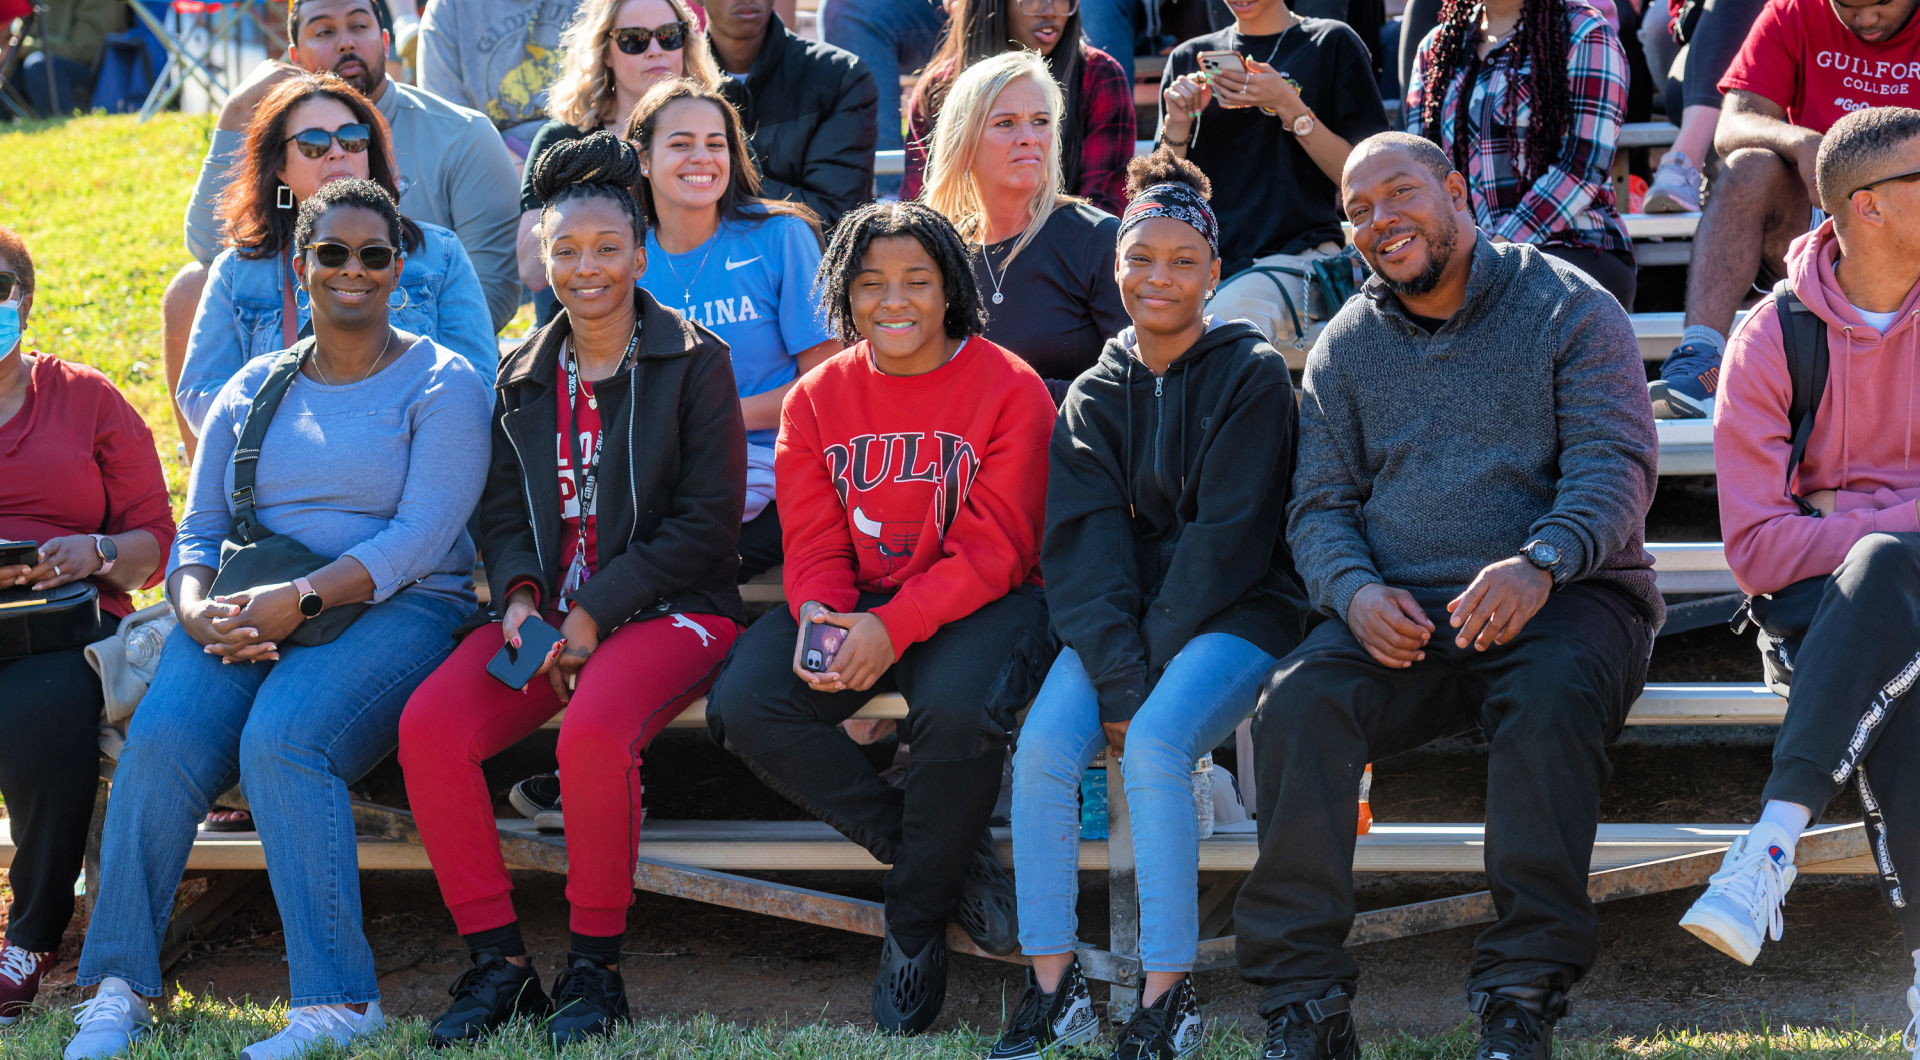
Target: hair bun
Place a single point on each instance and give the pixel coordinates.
(1164, 167)
(599, 158)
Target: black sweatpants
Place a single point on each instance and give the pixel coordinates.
(1848, 717)
(760, 546)
(49, 769)
(1548, 701)
(963, 686)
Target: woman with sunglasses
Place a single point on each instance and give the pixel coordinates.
(375, 455)
(309, 131)
(79, 478)
(622, 539)
(1045, 258)
(1096, 114)
(613, 51)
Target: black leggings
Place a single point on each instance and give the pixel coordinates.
(1611, 269)
(1716, 39)
(49, 770)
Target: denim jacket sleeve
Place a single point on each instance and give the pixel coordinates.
(461, 320)
(220, 342)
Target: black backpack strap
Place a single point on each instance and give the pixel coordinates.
(1804, 338)
(246, 453)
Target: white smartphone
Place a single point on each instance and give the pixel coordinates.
(1214, 62)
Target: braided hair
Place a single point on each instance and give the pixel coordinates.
(1541, 43)
(966, 315)
(363, 194)
(598, 166)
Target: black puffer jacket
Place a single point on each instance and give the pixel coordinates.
(810, 110)
(668, 523)
(1166, 496)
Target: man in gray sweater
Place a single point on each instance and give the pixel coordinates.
(1476, 460)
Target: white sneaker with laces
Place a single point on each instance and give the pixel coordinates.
(1675, 187)
(110, 1022)
(1911, 1037)
(312, 1026)
(1741, 907)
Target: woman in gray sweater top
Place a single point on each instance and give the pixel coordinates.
(376, 455)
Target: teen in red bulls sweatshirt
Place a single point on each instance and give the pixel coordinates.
(911, 474)
(1840, 614)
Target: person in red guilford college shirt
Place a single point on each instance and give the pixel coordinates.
(1805, 64)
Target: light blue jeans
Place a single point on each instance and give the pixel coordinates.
(299, 731)
(893, 37)
(1108, 26)
(1207, 690)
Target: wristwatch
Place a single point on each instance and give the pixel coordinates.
(1543, 556)
(1303, 125)
(109, 552)
(310, 604)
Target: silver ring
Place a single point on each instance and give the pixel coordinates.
(56, 570)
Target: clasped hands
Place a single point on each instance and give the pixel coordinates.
(1495, 607)
(865, 653)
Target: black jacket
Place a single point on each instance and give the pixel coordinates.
(810, 110)
(1165, 502)
(668, 524)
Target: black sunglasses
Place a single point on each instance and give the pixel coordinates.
(374, 257)
(314, 143)
(1041, 7)
(11, 287)
(1915, 175)
(633, 39)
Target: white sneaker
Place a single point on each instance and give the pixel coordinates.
(312, 1026)
(1675, 187)
(1741, 907)
(110, 1022)
(1911, 1037)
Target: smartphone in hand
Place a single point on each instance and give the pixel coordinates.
(1214, 62)
(514, 667)
(823, 643)
(19, 553)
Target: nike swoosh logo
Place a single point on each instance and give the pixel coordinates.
(732, 264)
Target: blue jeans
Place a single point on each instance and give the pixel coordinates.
(893, 37)
(299, 731)
(1108, 26)
(1207, 690)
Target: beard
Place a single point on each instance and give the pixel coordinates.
(370, 75)
(1441, 244)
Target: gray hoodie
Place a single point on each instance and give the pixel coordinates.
(1424, 458)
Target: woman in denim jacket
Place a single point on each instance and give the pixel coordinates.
(245, 310)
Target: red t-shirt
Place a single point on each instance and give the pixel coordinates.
(77, 459)
(1800, 56)
(576, 568)
(932, 487)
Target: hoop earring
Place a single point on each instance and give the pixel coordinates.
(406, 299)
(300, 304)
(283, 198)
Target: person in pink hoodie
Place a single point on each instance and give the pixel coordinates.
(1835, 584)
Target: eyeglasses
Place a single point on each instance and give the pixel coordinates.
(1903, 177)
(375, 257)
(633, 39)
(1042, 7)
(315, 143)
(11, 288)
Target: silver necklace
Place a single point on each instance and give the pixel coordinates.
(1292, 21)
(384, 350)
(686, 287)
(987, 260)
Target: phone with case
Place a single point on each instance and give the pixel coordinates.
(823, 643)
(515, 667)
(1214, 62)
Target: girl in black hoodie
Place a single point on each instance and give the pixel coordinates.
(611, 512)
(1170, 583)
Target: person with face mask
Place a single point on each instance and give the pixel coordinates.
(80, 481)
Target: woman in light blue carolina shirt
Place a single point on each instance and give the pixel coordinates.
(310, 131)
(735, 263)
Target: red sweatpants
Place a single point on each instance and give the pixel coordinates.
(638, 681)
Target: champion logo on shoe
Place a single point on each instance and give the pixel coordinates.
(1778, 855)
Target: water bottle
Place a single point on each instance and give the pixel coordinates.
(1366, 806)
(1093, 799)
(1202, 779)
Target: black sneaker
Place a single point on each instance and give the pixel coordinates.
(538, 800)
(1165, 1030)
(1320, 1029)
(988, 910)
(487, 996)
(1516, 1022)
(588, 999)
(909, 990)
(1045, 1023)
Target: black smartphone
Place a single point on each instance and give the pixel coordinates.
(19, 553)
(514, 667)
(823, 643)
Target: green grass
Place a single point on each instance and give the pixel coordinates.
(198, 1027)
